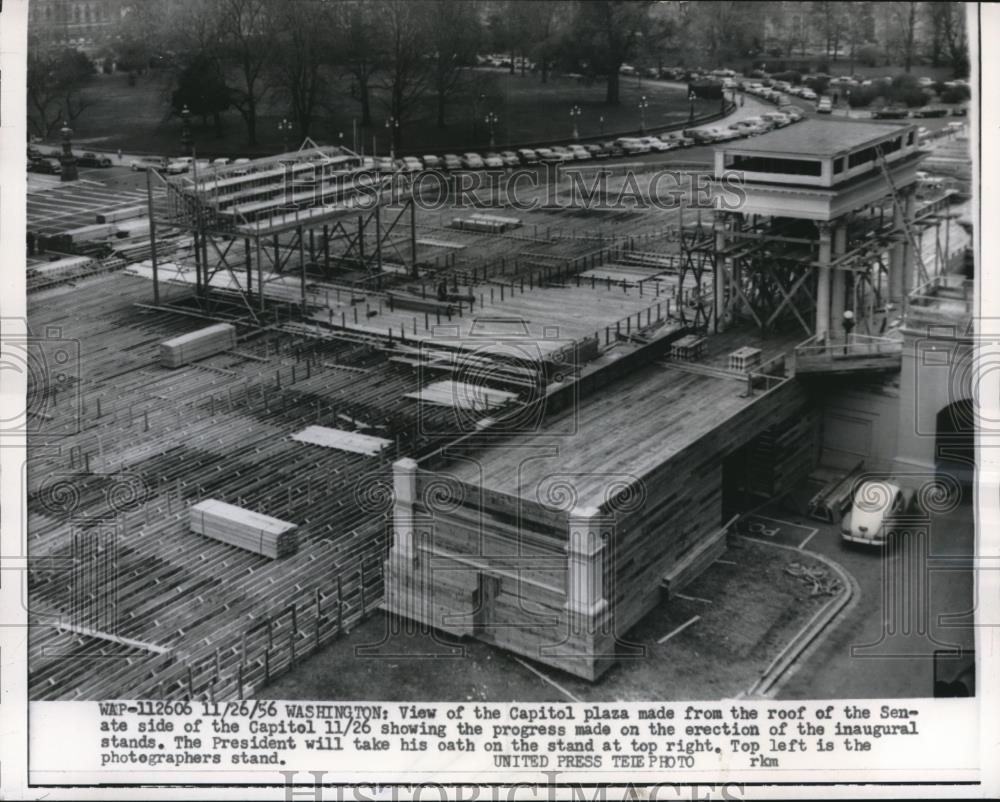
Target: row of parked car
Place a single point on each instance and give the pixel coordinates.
(48, 163)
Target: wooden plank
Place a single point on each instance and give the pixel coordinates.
(354, 442)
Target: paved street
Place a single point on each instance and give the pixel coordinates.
(890, 666)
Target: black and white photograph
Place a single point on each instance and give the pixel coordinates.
(608, 374)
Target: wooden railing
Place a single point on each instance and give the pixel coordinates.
(856, 352)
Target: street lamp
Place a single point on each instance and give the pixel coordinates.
(643, 105)
(392, 126)
(574, 114)
(848, 326)
(187, 142)
(602, 124)
(691, 98)
(67, 160)
(491, 120)
(285, 128)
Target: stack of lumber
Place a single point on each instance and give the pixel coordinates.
(197, 345)
(490, 223)
(354, 442)
(244, 529)
(116, 215)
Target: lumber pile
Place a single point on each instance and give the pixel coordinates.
(355, 442)
(244, 529)
(487, 223)
(197, 345)
(117, 215)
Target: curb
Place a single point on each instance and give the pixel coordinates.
(775, 674)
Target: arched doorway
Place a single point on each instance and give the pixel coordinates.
(955, 443)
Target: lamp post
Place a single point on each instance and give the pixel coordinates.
(691, 99)
(392, 126)
(491, 121)
(848, 321)
(643, 105)
(187, 141)
(601, 120)
(285, 128)
(574, 115)
(67, 160)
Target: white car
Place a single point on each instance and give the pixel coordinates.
(242, 166)
(657, 144)
(776, 117)
(411, 164)
(825, 106)
(220, 162)
(875, 504)
(807, 94)
(580, 153)
(179, 166)
(384, 164)
(432, 162)
(747, 128)
(509, 158)
(632, 145)
(493, 161)
(720, 134)
(472, 161)
(565, 154)
(528, 155)
(547, 155)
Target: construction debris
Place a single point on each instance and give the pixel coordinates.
(818, 577)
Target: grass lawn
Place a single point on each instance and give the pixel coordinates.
(137, 118)
(749, 607)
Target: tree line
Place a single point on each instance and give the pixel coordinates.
(405, 59)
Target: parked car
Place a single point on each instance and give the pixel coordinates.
(45, 166)
(890, 113)
(222, 161)
(178, 166)
(580, 153)
(509, 158)
(930, 111)
(472, 161)
(632, 146)
(34, 153)
(89, 159)
(528, 156)
(548, 156)
(679, 139)
(564, 153)
(147, 163)
(748, 128)
(778, 118)
(875, 505)
(808, 94)
(825, 106)
(384, 164)
(432, 162)
(614, 149)
(597, 151)
(411, 164)
(452, 162)
(241, 166)
(493, 161)
(794, 113)
(657, 144)
(701, 136)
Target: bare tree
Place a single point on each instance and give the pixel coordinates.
(55, 81)
(404, 26)
(903, 18)
(607, 32)
(455, 37)
(359, 48)
(304, 34)
(247, 40)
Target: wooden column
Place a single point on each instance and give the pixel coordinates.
(585, 558)
(838, 295)
(719, 279)
(823, 282)
(896, 255)
(909, 257)
(404, 485)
